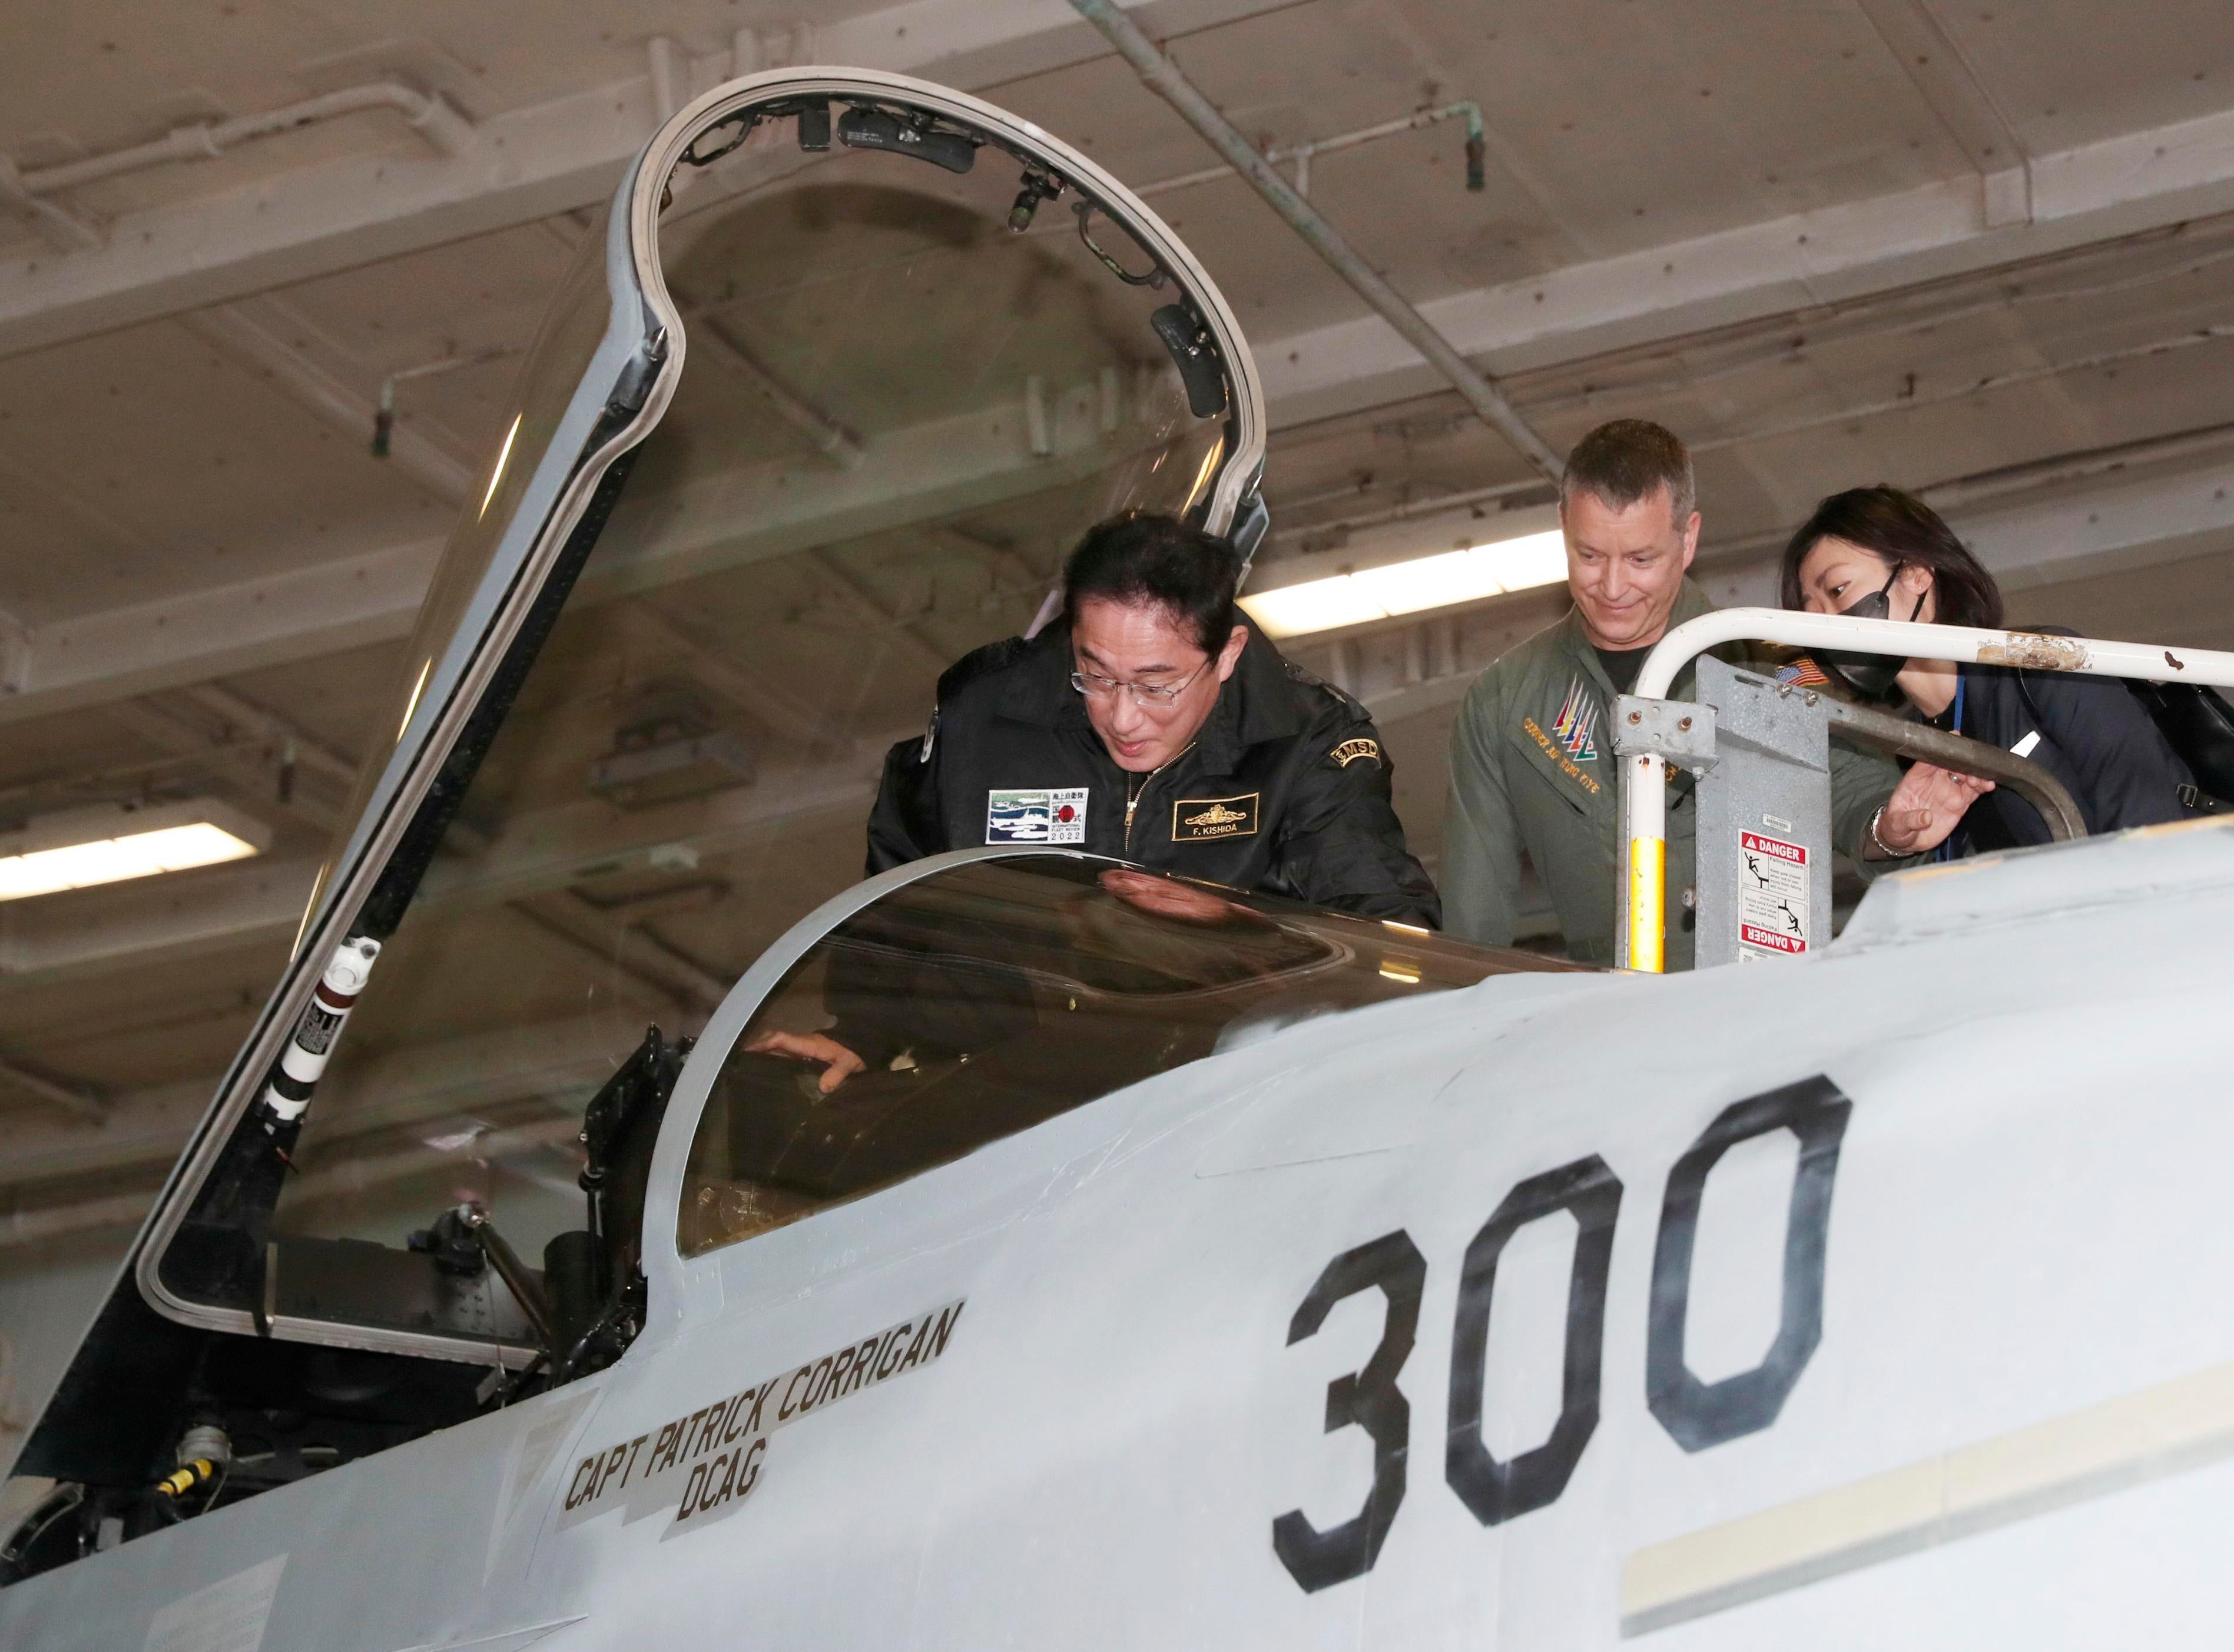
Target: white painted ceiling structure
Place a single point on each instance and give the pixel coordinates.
(1981, 251)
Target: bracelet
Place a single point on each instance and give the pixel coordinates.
(1883, 848)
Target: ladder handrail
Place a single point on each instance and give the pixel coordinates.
(1644, 777)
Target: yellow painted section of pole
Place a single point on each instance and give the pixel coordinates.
(1648, 896)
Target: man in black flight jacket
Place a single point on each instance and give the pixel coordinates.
(1154, 723)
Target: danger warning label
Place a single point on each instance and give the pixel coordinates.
(1771, 896)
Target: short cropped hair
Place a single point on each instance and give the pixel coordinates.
(1159, 561)
(1907, 533)
(1629, 459)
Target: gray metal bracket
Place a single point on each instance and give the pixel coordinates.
(1680, 730)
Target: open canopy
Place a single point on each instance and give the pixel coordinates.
(681, 617)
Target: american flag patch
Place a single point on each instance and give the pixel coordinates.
(1803, 671)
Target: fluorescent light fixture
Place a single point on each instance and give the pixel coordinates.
(1413, 587)
(80, 848)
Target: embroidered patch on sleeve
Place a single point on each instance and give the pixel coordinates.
(1351, 751)
(1057, 815)
(1571, 728)
(1204, 819)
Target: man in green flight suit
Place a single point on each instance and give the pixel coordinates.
(1531, 758)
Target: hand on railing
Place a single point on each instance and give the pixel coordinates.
(1924, 809)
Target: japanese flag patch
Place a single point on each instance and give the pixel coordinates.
(1053, 816)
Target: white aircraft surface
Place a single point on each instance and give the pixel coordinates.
(1200, 1270)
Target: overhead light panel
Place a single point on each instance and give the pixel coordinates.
(80, 848)
(1395, 589)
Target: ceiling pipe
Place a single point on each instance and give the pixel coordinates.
(1300, 155)
(434, 119)
(1163, 77)
(234, 330)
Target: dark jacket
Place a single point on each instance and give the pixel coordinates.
(1285, 789)
(2092, 735)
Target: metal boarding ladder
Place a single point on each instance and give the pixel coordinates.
(1761, 751)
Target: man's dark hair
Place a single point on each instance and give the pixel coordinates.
(1631, 460)
(1907, 533)
(1161, 561)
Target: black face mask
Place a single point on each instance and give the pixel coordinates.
(1869, 674)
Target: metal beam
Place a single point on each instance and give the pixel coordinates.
(302, 613)
(630, 952)
(537, 856)
(1942, 76)
(263, 723)
(1164, 78)
(565, 1058)
(733, 676)
(79, 1101)
(2094, 192)
(250, 902)
(253, 777)
(524, 164)
(718, 521)
(255, 333)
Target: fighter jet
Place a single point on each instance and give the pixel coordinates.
(1183, 1267)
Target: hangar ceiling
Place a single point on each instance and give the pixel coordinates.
(1981, 250)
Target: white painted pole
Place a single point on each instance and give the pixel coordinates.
(1644, 799)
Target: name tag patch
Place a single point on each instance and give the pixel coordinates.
(1202, 820)
(1052, 816)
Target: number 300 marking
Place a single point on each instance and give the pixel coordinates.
(1696, 1415)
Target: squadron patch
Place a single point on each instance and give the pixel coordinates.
(1571, 728)
(1053, 816)
(1550, 748)
(1204, 819)
(701, 1466)
(1351, 750)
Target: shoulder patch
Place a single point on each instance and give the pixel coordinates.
(1352, 751)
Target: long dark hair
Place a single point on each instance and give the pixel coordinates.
(1906, 533)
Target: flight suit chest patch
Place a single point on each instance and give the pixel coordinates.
(1555, 756)
(1206, 819)
(1055, 814)
(1573, 727)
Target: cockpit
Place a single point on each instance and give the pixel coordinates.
(987, 995)
(832, 383)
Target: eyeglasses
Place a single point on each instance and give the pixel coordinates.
(1148, 698)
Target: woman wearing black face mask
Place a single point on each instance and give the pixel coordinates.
(1878, 553)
